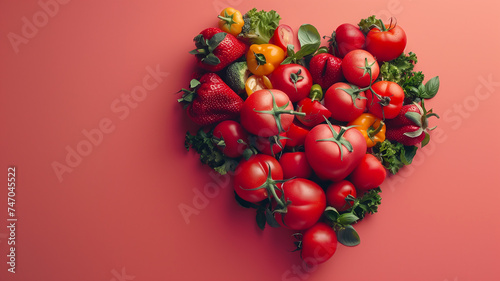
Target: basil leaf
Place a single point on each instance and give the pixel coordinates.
(306, 50)
(348, 236)
(347, 218)
(308, 34)
(431, 88)
(408, 153)
(331, 213)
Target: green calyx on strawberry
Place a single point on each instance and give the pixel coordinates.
(210, 100)
(411, 125)
(216, 49)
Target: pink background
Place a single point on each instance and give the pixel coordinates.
(116, 215)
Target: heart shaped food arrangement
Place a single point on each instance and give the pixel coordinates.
(307, 132)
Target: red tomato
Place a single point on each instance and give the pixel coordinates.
(293, 79)
(348, 37)
(337, 192)
(334, 152)
(314, 110)
(306, 202)
(389, 101)
(253, 173)
(319, 243)
(229, 132)
(283, 36)
(353, 68)
(369, 174)
(294, 164)
(387, 44)
(261, 111)
(271, 145)
(296, 134)
(344, 106)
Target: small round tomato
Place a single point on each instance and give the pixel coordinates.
(253, 173)
(348, 37)
(296, 134)
(354, 66)
(231, 138)
(345, 105)
(267, 113)
(293, 79)
(387, 102)
(318, 245)
(369, 174)
(314, 110)
(336, 195)
(386, 42)
(305, 202)
(255, 83)
(271, 145)
(295, 165)
(283, 36)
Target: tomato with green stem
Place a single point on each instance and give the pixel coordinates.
(360, 68)
(230, 138)
(271, 145)
(341, 195)
(344, 101)
(385, 99)
(386, 41)
(293, 79)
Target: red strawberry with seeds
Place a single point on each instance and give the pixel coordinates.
(326, 70)
(216, 49)
(211, 101)
(411, 125)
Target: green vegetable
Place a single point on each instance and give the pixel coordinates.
(394, 155)
(400, 70)
(366, 24)
(259, 26)
(368, 204)
(236, 75)
(204, 144)
(309, 39)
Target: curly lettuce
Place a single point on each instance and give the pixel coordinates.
(259, 26)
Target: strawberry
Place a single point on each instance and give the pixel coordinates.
(216, 49)
(211, 100)
(411, 125)
(326, 70)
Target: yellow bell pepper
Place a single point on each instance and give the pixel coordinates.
(231, 21)
(262, 59)
(372, 128)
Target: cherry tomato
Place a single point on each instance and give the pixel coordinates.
(306, 202)
(386, 44)
(271, 145)
(348, 37)
(337, 192)
(293, 79)
(319, 243)
(369, 174)
(296, 134)
(354, 66)
(344, 106)
(229, 133)
(327, 150)
(253, 173)
(283, 36)
(314, 110)
(267, 113)
(255, 83)
(294, 164)
(392, 96)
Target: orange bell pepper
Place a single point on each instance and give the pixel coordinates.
(262, 59)
(372, 128)
(231, 21)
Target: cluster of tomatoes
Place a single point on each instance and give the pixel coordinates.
(304, 132)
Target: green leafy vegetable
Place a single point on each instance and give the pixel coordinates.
(394, 155)
(309, 39)
(368, 204)
(366, 24)
(203, 143)
(348, 236)
(400, 70)
(259, 26)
